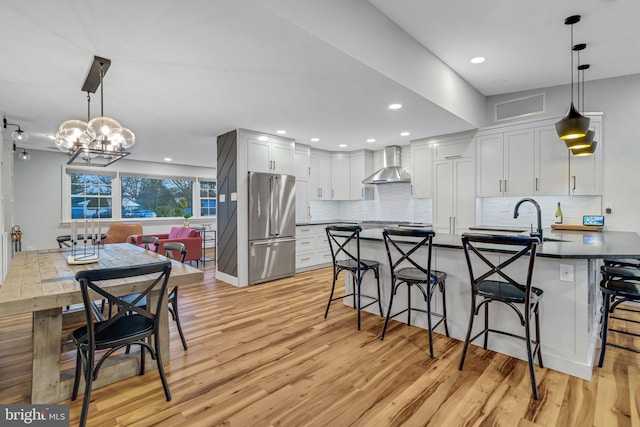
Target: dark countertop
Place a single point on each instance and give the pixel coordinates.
(574, 244)
(505, 228)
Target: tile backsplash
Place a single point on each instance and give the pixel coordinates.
(499, 210)
(394, 202)
(390, 202)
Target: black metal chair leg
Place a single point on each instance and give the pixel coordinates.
(76, 381)
(444, 308)
(333, 287)
(468, 337)
(176, 316)
(163, 378)
(386, 320)
(429, 321)
(409, 304)
(88, 379)
(604, 329)
(530, 355)
(377, 272)
(357, 282)
(537, 314)
(486, 325)
(142, 360)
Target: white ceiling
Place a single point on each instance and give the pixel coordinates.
(186, 71)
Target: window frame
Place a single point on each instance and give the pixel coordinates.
(116, 192)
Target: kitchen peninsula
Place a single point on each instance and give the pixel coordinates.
(569, 311)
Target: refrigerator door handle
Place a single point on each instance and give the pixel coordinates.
(275, 205)
(270, 242)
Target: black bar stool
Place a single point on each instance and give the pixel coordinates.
(402, 247)
(341, 241)
(620, 283)
(505, 290)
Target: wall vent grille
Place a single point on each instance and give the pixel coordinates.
(520, 107)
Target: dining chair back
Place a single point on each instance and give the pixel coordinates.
(131, 325)
(494, 278)
(409, 252)
(344, 242)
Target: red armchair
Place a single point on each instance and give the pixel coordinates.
(190, 237)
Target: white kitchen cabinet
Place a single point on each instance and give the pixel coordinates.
(551, 162)
(302, 161)
(320, 182)
(303, 210)
(421, 170)
(361, 166)
(505, 163)
(312, 247)
(340, 176)
(454, 195)
(274, 155)
(585, 173)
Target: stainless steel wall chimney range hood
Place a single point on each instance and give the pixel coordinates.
(391, 170)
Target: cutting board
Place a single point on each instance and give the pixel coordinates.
(576, 227)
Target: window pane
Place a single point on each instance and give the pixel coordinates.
(90, 196)
(150, 197)
(208, 207)
(207, 189)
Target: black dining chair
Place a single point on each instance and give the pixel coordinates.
(171, 249)
(131, 325)
(344, 242)
(150, 243)
(492, 281)
(620, 285)
(409, 253)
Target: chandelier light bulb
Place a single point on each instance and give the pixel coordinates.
(19, 135)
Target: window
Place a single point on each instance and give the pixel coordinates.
(144, 197)
(208, 198)
(121, 195)
(91, 195)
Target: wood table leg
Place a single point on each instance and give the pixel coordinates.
(47, 335)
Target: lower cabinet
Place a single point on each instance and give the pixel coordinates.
(312, 247)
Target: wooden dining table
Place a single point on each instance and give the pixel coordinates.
(43, 283)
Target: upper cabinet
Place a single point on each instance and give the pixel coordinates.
(585, 173)
(505, 163)
(421, 170)
(360, 167)
(302, 161)
(551, 162)
(320, 182)
(530, 159)
(340, 176)
(270, 154)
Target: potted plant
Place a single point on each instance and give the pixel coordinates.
(186, 219)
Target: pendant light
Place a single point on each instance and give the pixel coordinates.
(589, 146)
(583, 141)
(573, 124)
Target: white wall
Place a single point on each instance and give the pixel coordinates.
(39, 192)
(619, 99)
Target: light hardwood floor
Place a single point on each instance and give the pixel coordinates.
(265, 356)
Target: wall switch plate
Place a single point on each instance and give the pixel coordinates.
(566, 272)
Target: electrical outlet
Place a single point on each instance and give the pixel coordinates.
(566, 272)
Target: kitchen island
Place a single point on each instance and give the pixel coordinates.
(569, 311)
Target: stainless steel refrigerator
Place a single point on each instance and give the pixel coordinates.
(272, 226)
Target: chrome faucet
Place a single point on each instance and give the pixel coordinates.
(537, 234)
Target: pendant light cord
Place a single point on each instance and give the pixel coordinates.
(571, 49)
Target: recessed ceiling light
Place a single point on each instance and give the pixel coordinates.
(281, 132)
(167, 159)
(263, 138)
(371, 140)
(315, 139)
(404, 134)
(395, 106)
(342, 145)
(478, 60)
